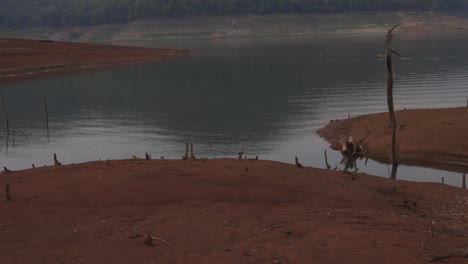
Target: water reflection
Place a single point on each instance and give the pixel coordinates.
(266, 95)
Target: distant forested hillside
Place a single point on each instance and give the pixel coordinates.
(23, 13)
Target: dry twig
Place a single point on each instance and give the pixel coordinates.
(272, 227)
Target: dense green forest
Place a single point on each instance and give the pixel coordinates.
(22, 13)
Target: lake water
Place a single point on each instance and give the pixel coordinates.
(268, 96)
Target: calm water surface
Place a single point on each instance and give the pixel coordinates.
(266, 95)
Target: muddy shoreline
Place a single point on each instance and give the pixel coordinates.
(436, 138)
(28, 59)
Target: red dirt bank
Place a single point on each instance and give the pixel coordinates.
(224, 211)
(25, 59)
(429, 137)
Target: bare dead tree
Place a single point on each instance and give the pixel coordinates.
(389, 51)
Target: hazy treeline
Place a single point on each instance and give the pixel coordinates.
(19, 13)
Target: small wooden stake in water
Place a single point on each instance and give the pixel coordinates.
(326, 161)
(7, 192)
(56, 162)
(46, 113)
(6, 115)
(191, 152)
(464, 181)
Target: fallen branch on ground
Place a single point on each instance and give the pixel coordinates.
(272, 227)
(152, 237)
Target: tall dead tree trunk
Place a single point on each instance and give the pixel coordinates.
(389, 51)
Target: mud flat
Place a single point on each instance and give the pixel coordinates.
(224, 211)
(26, 59)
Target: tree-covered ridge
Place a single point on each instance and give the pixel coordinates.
(92, 12)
